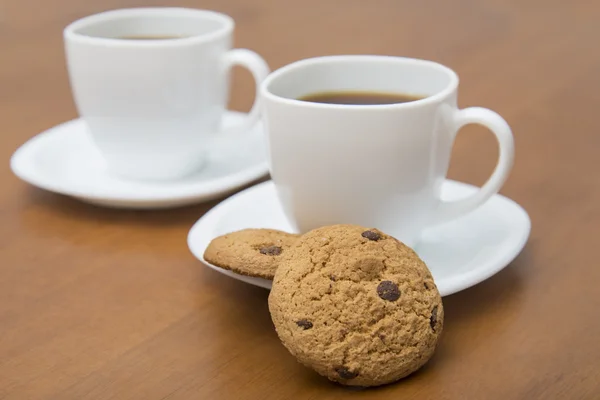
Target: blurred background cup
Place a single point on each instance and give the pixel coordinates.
(152, 85)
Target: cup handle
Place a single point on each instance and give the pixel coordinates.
(259, 69)
(448, 210)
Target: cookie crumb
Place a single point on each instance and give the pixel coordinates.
(371, 235)
(388, 290)
(271, 250)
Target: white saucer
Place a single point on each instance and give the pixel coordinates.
(460, 253)
(64, 160)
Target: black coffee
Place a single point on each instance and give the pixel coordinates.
(360, 98)
(149, 37)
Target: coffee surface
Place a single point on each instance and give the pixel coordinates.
(360, 98)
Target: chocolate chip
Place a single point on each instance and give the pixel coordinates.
(271, 250)
(345, 373)
(382, 337)
(304, 323)
(388, 290)
(433, 318)
(343, 333)
(371, 235)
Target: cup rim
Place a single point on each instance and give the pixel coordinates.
(277, 74)
(71, 33)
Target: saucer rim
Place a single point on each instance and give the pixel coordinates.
(450, 286)
(23, 157)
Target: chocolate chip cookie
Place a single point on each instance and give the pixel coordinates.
(251, 252)
(356, 305)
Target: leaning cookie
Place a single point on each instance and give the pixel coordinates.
(251, 252)
(356, 305)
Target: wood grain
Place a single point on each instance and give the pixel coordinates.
(107, 304)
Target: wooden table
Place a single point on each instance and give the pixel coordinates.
(107, 304)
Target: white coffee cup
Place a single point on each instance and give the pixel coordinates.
(153, 106)
(378, 166)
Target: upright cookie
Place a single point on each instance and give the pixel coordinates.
(252, 252)
(356, 305)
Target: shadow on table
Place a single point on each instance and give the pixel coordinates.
(70, 208)
(480, 316)
(52, 216)
(500, 292)
(73, 208)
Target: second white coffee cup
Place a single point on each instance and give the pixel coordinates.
(152, 85)
(379, 166)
